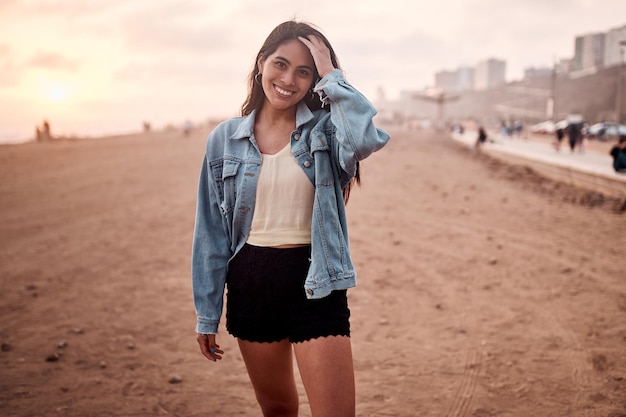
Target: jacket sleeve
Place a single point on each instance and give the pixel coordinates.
(351, 115)
(210, 255)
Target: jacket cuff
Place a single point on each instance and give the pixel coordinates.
(335, 76)
(205, 326)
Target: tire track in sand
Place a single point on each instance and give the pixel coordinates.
(577, 356)
(464, 395)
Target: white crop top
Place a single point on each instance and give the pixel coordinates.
(284, 202)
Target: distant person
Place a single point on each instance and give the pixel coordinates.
(481, 138)
(508, 129)
(618, 152)
(602, 132)
(518, 127)
(583, 138)
(46, 131)
(187, 128)
(146, 127)
(559, 135)
(37, 134)
(271, 225)
(573, 135)
(503, 129)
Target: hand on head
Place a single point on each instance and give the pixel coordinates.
(320, 53)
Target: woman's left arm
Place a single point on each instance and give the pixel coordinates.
(350, 112)
(352, 115)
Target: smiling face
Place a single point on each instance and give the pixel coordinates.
(287, 75)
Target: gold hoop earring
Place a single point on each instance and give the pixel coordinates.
(257, 78)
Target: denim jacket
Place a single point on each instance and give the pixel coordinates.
(327, 145)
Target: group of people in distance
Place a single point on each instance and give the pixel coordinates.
(575, 139)
(42, 134)
(575, 136)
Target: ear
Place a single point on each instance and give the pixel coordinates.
(259, 63)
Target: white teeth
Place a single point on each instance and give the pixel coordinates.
(283, 92)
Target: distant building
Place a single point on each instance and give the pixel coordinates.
(589, 51)
(533, 72)
(489, 73)
(465, 78)
(454, 81)
(577, 61)
(612, 53)
(380, 94)
(565, 66)
(446, 80)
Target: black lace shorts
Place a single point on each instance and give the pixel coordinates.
(265, 301)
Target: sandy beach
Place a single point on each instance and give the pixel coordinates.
(483, 289)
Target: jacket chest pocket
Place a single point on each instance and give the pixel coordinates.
(225, 175)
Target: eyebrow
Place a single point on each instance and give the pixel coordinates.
(282, 58)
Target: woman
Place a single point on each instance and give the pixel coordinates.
(271, 224)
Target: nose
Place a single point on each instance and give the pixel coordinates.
(289, 78)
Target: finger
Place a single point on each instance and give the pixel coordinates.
(214, 348)
(319, 43)
(313, 42)
(306, 41)
(209, 348)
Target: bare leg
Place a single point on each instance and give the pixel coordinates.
(270, 367)
(327, 372)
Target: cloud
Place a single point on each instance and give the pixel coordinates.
(5, 50)
(71, 8)
(179, 74)
(9, 74)
(171, 36)
(52, 61)
(408, 59)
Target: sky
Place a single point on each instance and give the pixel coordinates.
(97, 67)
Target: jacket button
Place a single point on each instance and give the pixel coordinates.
(307, 164)
(310, 292)
(296, 136)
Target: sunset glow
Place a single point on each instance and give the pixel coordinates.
(56, 93)
(111, 65)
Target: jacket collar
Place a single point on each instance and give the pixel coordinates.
(246, 127)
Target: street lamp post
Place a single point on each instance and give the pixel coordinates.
(620, 76)
(553, 108)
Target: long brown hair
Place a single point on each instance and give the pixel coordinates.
(256, 97)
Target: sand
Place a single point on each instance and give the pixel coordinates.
(483, 290)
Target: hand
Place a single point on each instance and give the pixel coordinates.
(209, 348)
(320, 53)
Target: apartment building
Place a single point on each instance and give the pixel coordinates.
(489, 73)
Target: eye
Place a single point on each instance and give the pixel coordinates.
(280, 64)
(304, 73)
